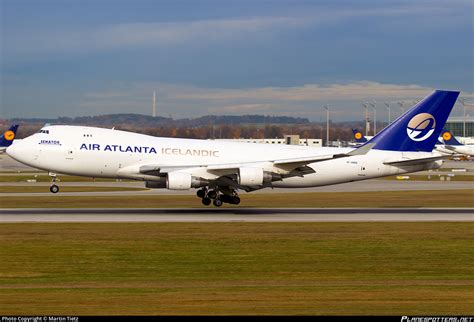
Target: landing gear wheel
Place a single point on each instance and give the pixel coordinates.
(235, 200)
(206, 201)
(54, 188)
(212, 194)
(201, 193)
(217, 202)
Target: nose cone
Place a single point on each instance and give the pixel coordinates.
(12, 150)
(18, 152)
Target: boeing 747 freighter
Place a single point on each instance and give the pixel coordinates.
(220, 169)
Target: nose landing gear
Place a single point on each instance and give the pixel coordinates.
(53, 188)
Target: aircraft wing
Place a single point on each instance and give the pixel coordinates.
(228, 174)
(279, 165)
(283, 164)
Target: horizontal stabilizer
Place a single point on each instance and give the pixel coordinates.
(416, 161)
(363, 149)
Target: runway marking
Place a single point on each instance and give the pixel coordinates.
(239, 211)
(238, 215)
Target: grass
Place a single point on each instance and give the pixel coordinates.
(39, 189)
(237, 268)
(412, 199)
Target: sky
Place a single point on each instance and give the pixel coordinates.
(95, 57)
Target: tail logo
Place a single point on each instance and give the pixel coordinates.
(9, 135)
(421, 126)
(446, 136)
(358, 135)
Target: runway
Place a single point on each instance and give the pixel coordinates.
(238, 215)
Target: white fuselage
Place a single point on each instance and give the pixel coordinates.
(97, 152)
(461, 149)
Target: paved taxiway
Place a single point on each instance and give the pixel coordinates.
(237, 215)
(368, 185)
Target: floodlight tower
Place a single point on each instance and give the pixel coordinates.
(374, 105)
(327, 123)
(387, 104)
(367, 119)
(464, 105)
(401, 103)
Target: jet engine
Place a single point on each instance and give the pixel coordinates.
(184, 181)
(250, 176)
(160, 184)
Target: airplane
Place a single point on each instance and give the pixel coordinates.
(359, 138)
(220, 169)
(8, 138)
(453, 145)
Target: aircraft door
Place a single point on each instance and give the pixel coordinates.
(362, 172)
(70, 153)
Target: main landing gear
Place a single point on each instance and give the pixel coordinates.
(53, 188)
(218, 197)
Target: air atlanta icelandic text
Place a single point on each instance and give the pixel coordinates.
(149, 150)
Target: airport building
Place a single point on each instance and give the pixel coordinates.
(287, 139)
(461, 126)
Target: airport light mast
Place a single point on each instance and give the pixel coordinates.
(401, 106)
(463, 103)
(374, 105)
(367, 120)
(327, 124)
(387, 104)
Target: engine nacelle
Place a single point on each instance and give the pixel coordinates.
(184, 181)
(250, 176)
(437, 164)
(178, 181)
(160, 184)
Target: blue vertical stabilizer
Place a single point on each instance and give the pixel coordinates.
(419, 128)
(7, 138)
(449, 139)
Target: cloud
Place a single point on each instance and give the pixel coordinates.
(49, 39)
(306, 100)
(133, 35)
(310, 92)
